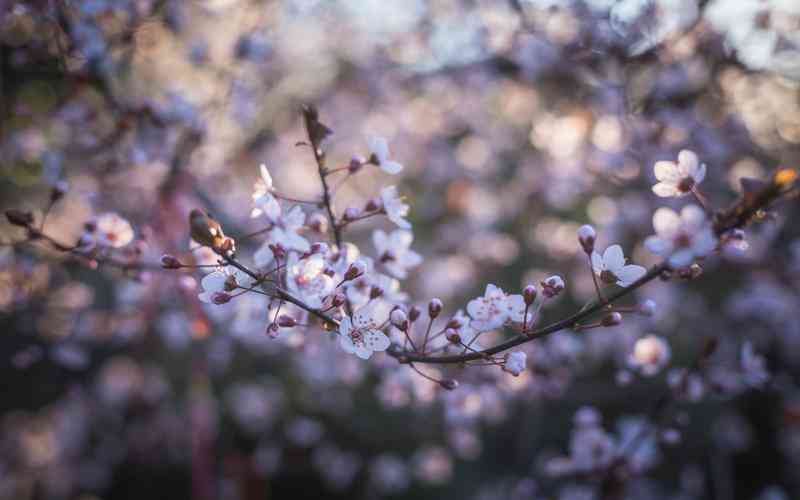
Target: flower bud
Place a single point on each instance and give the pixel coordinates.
(552, 286)
(356, 163)
(351, 213)
(529, 294)
(318, 222)
(272, 330)
(59, 190)
(355, 270)
(611, 319)
(371, 206)
(454, 323)
(647, 308)
(399, 319)
(449, 384)
(170, 262)
(285, 321)
(277, 251)
(434, 308)
(19, 217)
(375, 292)
(220, 298)
(586, 237)
(338, 299)
(452, 336)
(413, 313)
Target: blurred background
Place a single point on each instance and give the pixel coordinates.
(517, 121)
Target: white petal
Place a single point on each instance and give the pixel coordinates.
(411, 259)
(380, 240)
(362, 352)
(658, 246)
(375, 340)
(597, 263)
(295, 218)
(263, 255)
(688, 160)
(666, 171)
(265, 176)
(379, 147)
(681, 258)
(693, 216)
(613, 258)
(701, 174)
(515, 308)
(347, 343)
(666, 190)
(391, 167)
(666, 222)
(704, 243)
(630, 274)
(401, 239)
(478, 308)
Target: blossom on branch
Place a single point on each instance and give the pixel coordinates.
(678, 179)
(112, 230)
(394, 206)
(306, 279)
(611, 268)
(395, 253)
(379, 150)
(265, 203)
(360, 335)
(681, 238)
(495, 308)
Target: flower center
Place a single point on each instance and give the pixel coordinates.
(357, 337)
(608, 277)
(683, 240)
(686, 184)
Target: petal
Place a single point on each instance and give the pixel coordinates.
(666, 190)
(701, 174)
(613, 258)
(380, 240)
(375, 340)
(345, 327)
(362, 352)
(400, 222)
(693, 216)
(379, 147)
(411, 259)
(689, 162)
(629, 274)
(658, 246)
(347, 343)
(666, 171)
(704, 243)
(401, 239)
(365, 317)
(265, 176)
(515, 308)
(478, 308)
(597, 263)
(391, 167)
(681, 258)
(295, 218)
(263, 255)
(666, 222)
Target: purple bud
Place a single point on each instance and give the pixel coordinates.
(220, 298)
(449, 384)
(399, 319)
(355, 270)
(611, 319)
(647, 308)
(413, 313)
(529, 294)
(586, 237)
(356, 162)
(170, 262)
(285, 321)
(452, 336)
(434, 308)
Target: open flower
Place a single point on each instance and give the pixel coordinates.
(611, 267)
(515, 363)
(394, 251)
(379, 148)
(306, 279)
(112, 230)
(265, 203)
(217, 284)
(650, 354)
(681, 238)
(395, 209)
(495, 308)
(285, 234)
(678, 179)
(360, 335)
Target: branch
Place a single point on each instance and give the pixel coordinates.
(746, 209)
(317, 132)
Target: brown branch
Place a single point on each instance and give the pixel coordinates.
(317, 132)
(740, 214)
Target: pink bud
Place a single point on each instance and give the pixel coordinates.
(351, 213)
(285, 321)
(318, 222)
(355, 270)
(371, 206)
(170, 262)
(611, 319)
(449, 384)
(552, 286)
(586, 237)
(529, 294)
(413, 313)
(434, 308)
(356, 163)
(399, 319)
(452, 336)
(647, 308)
(272, 330)
(338, 299)
(375, 292)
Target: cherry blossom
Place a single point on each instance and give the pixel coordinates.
(285, 234)
(265, 203)
(306, 279)
(360, 335)
(611, 267)
(112, 230)
(681, 238)
(394, 251)
(379, 149)
(395, 209)
(495, 308)
(650, 354)
(515, 363)
(217, 284)
(678, 179)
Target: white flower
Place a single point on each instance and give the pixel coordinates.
(394, 251)
(379, 147)
(678, 179)
(515, 363)
(112, 230)
(359, 335)
(612, 269)
(219, 282)
(306, 280)
(681, 238)
(754, 368)
(395, 209)
(650, 354)
(552, 286)
(495, 308)
(285, 234)
(264, 202)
